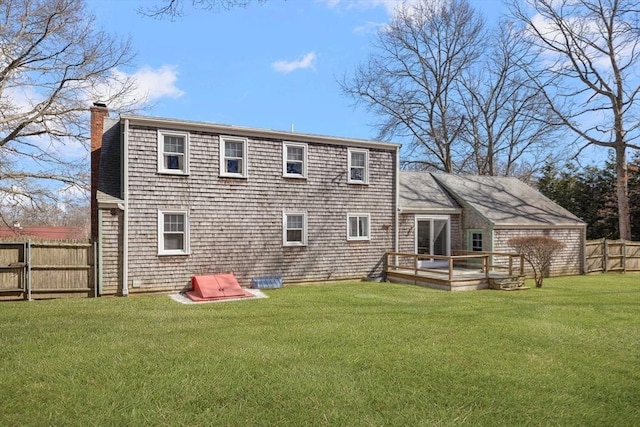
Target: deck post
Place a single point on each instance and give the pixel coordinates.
(450, 270)
(485, 264)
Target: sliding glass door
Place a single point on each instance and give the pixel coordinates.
(433, 235)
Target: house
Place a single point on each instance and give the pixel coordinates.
(172, 199)
(440, 213)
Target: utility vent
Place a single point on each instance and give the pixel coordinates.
(268, 282)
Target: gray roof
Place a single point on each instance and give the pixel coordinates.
(419, 192)
(506, 201)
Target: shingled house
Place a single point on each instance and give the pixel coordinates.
(495, 209)
(440, 213)
(172, 199)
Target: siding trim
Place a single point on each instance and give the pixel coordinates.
(125, 213)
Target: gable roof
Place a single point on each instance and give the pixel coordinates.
(506, 202)
(419, 192)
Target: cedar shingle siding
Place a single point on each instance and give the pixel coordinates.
(565, 262)
(111, 251)
(236, 224)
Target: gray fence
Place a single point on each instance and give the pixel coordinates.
(47, 269)
(612, 255)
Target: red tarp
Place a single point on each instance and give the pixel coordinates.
(215, 287)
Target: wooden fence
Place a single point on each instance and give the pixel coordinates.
(612, 255)
(46, 269)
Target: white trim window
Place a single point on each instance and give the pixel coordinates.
(294, 160)
(294, 229)
(358, 166)
(233, 157)
(173, 232)
(358, 226)
(173, 152)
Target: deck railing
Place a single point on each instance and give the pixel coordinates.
(487, 262)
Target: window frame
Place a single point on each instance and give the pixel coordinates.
(223, 157)
(161, 233)
(285, 241)
(162, 133)
(359, 216)
(470, 239)
(432, 239)
(350, 152)
(285, 160)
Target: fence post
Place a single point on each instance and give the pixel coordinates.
(624, 256)
(95, 269)
(605, 255)
(28, 259)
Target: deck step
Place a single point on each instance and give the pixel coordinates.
(510, 283)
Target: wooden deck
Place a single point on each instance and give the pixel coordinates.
(469, 271)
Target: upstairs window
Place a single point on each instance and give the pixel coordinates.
(294, 229)
(358, 226)
(358, 166)
(173, 152)
(294, 160)
(173, 233)
(233, 157)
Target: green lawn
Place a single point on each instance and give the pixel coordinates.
(343, 354)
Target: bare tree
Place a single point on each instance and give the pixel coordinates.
(53, 63)
(509, 130)
(175, 8)
(589, 55)
(538, 251)
(51, 214)
(457, 91)
(410, 82)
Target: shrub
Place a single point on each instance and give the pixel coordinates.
(538, 251)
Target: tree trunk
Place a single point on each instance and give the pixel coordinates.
(622, 193)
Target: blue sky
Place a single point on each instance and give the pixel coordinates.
(270, 65)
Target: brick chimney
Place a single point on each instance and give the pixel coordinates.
(98, 113)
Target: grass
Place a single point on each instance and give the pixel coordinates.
(344, 354)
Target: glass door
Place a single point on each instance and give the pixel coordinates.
(432, 236)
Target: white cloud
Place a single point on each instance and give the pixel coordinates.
(589, 30)
(149, 84)
(158, 83)
(369, 27)
(389, 5)
(306, 61)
